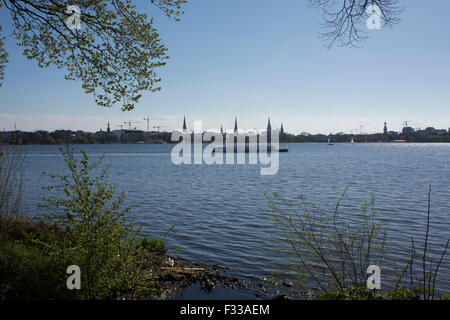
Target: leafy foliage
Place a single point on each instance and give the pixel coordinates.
(27, 272)
(400, 293)
(114, 54)
(3, 56)
(362, 293)
(153, 245)
(99, 238)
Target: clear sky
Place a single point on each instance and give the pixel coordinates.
(256, 59)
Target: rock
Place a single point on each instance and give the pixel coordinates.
(173, 277)
(170, 262)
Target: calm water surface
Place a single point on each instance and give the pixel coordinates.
(219, 212)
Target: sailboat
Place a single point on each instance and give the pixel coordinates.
(329, 140)
(352, 142)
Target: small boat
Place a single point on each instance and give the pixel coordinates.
(352, 142)
(329, 140)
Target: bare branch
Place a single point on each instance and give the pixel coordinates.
(345, 20)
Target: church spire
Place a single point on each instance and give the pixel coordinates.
(235, 125)
(282, 129)
(269, 132)
(184, 123)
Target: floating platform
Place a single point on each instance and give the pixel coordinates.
(247, 149)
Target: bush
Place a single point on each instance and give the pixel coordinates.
(331, 256)
(87, 226)
(153, 245)
(99, 238)
(324, 251)
(28, 273)
(11, 164)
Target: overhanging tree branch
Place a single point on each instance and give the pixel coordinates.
(114, 55)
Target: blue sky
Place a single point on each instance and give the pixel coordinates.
(254, 59)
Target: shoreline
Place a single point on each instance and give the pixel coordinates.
(175, 275)
(171, 275)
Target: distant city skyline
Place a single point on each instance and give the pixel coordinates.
(156, 125)
(254, 60)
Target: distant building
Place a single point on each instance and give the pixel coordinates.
(282, 129)
(408, 130)
(385, 130)
(184, 124)
(117, 133)
(235, 125)
(431, 131)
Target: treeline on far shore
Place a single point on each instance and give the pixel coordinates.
(377, 137)
(59, 137)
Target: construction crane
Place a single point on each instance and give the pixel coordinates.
(147, 118)
(159, 127)
(406, 122)
(148, 123)
(129, 124)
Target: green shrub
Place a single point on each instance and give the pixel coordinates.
(99, 238)
(360, 293)
(331, 255)
(29, 273)
(153, 245)
(11, 173)
(323, 250)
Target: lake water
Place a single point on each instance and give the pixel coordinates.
(219, 212)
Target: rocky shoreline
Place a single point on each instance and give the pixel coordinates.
(174, 275)
(170, 276)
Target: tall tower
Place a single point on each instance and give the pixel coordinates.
(235, 125)
(108, 129)
(282, 129)
(269, 132)
(385, 130)
(184, 124)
